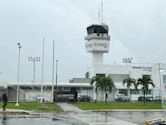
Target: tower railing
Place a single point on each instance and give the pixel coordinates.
(97, 36)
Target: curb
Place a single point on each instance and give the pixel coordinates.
(15, 111)
(127, 110)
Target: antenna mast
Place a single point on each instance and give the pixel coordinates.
(101, 11)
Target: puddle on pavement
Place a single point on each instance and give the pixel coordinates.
(40, 119)
(134, 117)
(79, 118)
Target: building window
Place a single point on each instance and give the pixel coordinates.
(148, 76)
(164, 79)
(123, 91)
(134, 92)
(149, 92)
(100, 75)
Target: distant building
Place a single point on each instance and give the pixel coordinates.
(97, 43)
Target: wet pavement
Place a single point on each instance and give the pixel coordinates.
(69, 118)
(84, 118)
(75, 116)
(137, 117)
(91, 118)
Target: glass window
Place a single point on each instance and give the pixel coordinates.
(123, 91)
(148, 76)
(134, 92)
(164, 79)
(149, 92)
(101, 75)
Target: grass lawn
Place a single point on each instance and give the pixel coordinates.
(34, 106)
(117, 105)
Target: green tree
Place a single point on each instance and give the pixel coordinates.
(145, 81)
(96, 80)
(129, 82)
(105, 83)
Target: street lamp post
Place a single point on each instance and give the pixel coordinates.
(56, 78)
(161, 89)
(160, 82)
(41, 91)
(18, 74)
(34, 60)
(52, 92)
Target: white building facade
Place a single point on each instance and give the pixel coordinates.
(97, 43)
(120, 72)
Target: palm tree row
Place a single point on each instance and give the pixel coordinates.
(145, 81)
(106, 84)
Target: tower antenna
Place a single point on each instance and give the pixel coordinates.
(101, 11)
(99, 16)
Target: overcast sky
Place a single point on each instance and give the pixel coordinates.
(137, 29)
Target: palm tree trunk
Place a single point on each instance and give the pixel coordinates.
(144, 97)
(96, 96)
(106, 97)
(129, 95)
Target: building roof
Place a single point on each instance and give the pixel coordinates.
(49, 84)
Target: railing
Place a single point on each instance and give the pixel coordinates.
(95, 36)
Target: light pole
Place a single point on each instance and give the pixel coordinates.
(52, 92)
(34, 60)
(161, 89)
(41, 91)
(18, 75)
(56, 78)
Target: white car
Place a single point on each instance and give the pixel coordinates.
(122, 97)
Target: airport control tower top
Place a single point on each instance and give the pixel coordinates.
(97, 41)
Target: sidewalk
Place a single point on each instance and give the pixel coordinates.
(68, 107)
(90, 118)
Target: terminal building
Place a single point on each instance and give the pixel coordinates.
(97, 43)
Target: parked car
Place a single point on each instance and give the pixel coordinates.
(122, 98)
(84, 98)
(148, 99)
(39, 98)
(157, 99)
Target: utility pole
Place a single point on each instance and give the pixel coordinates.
(42, 72)
(52, 93)
(56, 79)
(18, 74)
(34, 60)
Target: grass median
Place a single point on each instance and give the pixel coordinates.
(45, 107)
(117, 105)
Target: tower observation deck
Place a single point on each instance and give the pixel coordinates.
(97, 42)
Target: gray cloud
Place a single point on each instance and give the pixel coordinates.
(137, 29)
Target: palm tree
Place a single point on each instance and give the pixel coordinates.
(95, 80)
(129, 82)
(104, 83)
(145, 81)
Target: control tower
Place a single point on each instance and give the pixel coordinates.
(97, 42)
